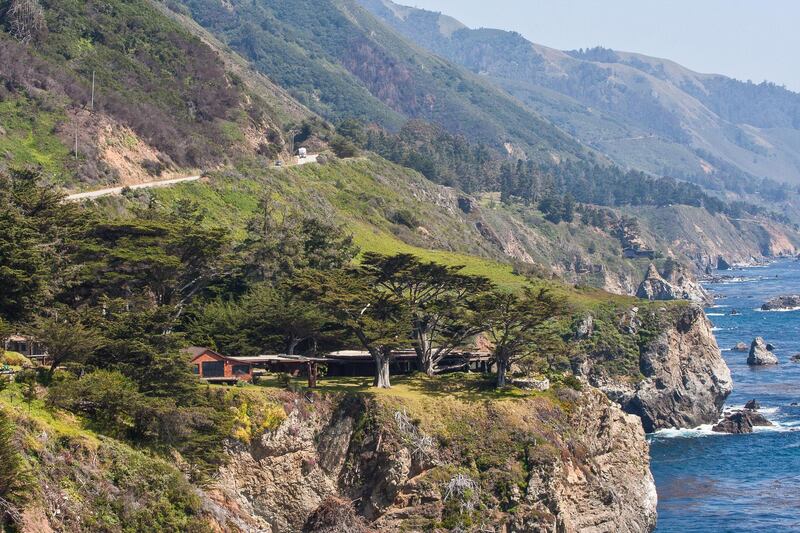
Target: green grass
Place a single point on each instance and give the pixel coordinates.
(30, 136)
(55, 422)
(469, 387)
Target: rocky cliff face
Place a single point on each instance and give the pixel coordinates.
(685, 380)
(678, 284)
(579, 464)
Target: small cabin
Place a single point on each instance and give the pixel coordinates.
(214, 367)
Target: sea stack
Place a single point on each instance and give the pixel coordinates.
(760, 355)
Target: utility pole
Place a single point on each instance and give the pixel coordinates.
(293, 134)
(76, 138)
(92, 91)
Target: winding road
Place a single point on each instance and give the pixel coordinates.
(116, 191)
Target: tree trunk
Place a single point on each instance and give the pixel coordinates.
(381, 370)
(502, 366)
(292, 345)
(423, 348)
(312, 375)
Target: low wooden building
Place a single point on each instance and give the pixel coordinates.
(217, 368)
(27, 346)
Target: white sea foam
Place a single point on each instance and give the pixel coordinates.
(715, 314)
(730, 281)
(687, 433)
(787, 310)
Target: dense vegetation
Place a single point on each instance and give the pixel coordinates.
(553, 187)
(342, 63)
(150, 75)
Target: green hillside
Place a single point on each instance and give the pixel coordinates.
(163, 98)
(341, 62)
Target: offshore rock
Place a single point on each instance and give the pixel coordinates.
(760, 355)
(782, 303)
(741, 422)
(741, 347)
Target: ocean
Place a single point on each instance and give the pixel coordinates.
(721, 483)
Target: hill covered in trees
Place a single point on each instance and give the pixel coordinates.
(340, 61)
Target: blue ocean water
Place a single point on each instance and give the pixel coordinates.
(741, 483)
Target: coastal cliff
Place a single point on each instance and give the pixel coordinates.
(429, 455)
(683, 380)
(572, 462)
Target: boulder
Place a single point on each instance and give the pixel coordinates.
(760, 355)
(740, 347)
(541, 384)
(781, 303)
(770, 347)
(752, 405)
(796, 358)
(741, 422)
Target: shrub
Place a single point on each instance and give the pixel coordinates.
(14, 359)
(14, 476)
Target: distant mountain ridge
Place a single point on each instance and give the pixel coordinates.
(342, 62)
(644, 112)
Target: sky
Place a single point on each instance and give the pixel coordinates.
(746, 39)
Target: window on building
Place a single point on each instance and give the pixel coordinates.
(196, 369)
(241, 369)
(214, 369)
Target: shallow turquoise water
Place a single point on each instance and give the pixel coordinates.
(742, 483)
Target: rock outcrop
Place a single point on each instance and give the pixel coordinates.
(590, 474)
(686, 380)
(782, 303)
(679, 285)
(741, 347)
(760, 354)
(654, 287)
(741, 422)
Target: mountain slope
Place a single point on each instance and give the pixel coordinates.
(163, 99)
(341, 62)
(644, 112)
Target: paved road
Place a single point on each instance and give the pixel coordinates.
(115, 191)
(310, 158)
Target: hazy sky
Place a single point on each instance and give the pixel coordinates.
(745, 39)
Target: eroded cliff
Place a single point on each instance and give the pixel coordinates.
(568, 461)
(683, 380)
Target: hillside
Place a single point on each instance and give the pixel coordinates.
(166, 97)
(389, 208)
(643, 112)
(340, 61)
